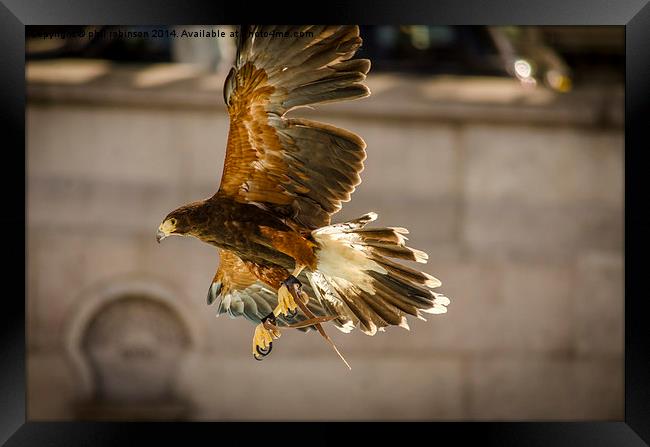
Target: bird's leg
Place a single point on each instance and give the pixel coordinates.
(267, 330)
(290, 297)
(289, 291)
(301, 298)
(263, 337)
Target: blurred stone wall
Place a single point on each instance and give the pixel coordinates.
(517, 196)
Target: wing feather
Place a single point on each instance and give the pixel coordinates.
(300, 169)
(242, 295)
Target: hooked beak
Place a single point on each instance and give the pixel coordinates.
(167, 228)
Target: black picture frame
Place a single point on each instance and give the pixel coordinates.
(634, 430)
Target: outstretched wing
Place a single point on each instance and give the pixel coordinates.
(243, 295)
(299, 169)
(302, 170)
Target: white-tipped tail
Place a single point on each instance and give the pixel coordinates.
(356, 279)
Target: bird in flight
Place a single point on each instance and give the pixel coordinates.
(283, 264)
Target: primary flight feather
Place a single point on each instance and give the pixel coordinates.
(283, 264)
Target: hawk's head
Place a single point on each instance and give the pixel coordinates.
(181, 222)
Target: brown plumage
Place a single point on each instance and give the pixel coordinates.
(284, 178)
(244, 294)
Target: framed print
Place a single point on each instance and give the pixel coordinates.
(429, 215)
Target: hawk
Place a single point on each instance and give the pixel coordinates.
(283, 264)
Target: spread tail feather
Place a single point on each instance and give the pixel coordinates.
(357, 281)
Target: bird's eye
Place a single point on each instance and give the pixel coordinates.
(173, 221)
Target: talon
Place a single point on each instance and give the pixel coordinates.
(264, 352)
(286, 303)
(263, 339)
(290, 289)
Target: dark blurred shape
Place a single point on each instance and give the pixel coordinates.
(536, 55)
(526, 57)
(432, 49)
(594, 53)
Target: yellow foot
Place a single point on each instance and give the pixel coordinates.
(263, 341)
(286, 304)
